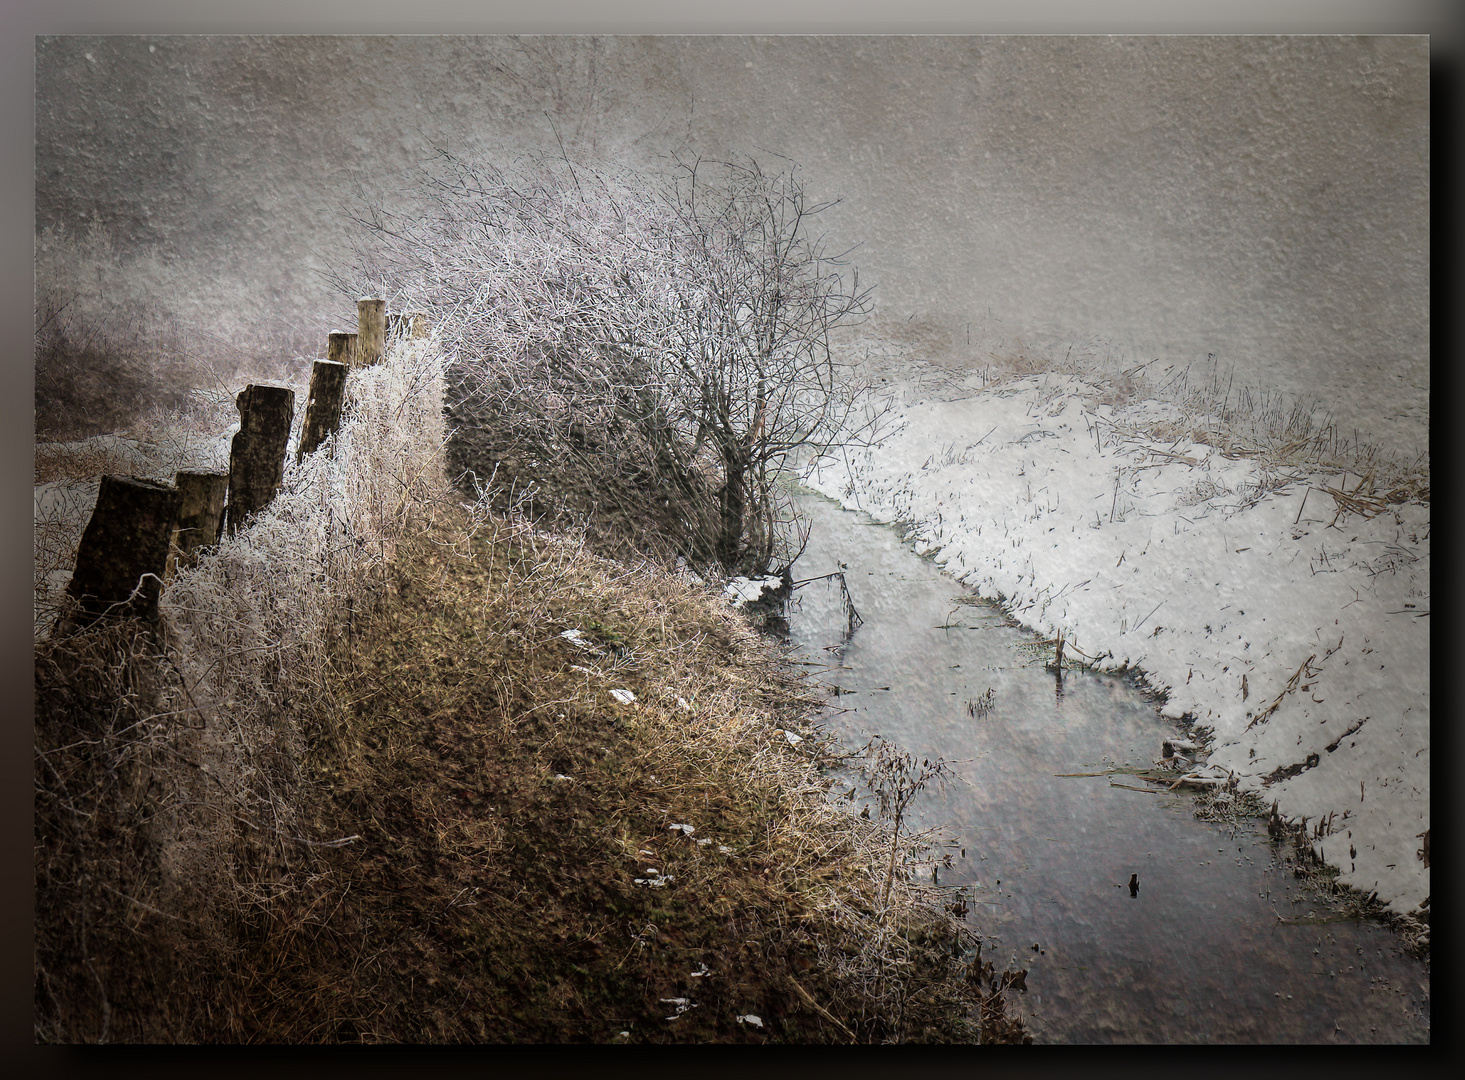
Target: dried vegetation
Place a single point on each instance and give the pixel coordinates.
(359, 785)
(1289, 438)
(109, 355)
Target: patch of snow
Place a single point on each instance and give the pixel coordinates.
(743, 590)
(1290, 631)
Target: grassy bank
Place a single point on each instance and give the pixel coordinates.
(520, 875)
(361, 783)
(486, 842)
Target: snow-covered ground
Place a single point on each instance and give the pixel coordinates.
(1290, 626)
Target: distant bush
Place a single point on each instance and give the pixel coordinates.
(103, 354)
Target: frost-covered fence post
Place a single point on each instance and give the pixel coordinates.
(124, 550)
(200, 513)
(323, 407)
(371, 330)
(341, 348)
(257, 454)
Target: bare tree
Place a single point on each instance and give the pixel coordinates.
(654, 351)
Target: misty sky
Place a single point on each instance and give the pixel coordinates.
(1265, 199)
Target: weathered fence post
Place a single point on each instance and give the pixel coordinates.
(323, 407)
(371, 330)
(200, 513)
(124, 550)
(341, 348)
(257, 454)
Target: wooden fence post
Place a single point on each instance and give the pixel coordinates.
(257, 454)
(371, 330)
(323, 407)
(124, 550)
(200, 513)
(341, 348)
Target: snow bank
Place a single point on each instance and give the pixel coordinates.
(740, 591)
(1292, 632)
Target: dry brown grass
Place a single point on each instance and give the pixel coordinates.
(123, 905)
(491, 898)
(322, 801)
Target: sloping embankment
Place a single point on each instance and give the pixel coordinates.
(1281, 609)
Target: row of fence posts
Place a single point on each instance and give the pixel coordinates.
(140, 530)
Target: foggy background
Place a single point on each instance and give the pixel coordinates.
(1263, 199)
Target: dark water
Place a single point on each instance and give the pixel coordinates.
(1199, 953)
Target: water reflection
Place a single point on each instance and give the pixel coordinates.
(1199, 954)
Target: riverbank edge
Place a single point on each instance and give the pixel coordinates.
(897, 488)
(662, 864)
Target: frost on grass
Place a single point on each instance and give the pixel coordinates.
(1269, 578)
(188, 732)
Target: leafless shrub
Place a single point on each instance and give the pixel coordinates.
(896, 779)
(648, 351)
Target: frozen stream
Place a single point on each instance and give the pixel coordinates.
(1200, 953)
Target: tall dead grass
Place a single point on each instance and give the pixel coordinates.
(515, 810)
(168, 789)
